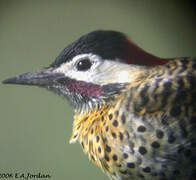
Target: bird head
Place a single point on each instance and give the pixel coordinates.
(92, 69)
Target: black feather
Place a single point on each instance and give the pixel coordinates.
(107, 44)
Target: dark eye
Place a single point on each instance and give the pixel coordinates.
(83, 65)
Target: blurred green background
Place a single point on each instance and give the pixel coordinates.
(35, 125)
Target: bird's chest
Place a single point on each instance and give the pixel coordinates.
(110, 141)
(127, 146)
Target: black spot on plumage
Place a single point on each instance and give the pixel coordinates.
(155, 144)
(97, 138)
(115, 123)
(120, 136)
(125, 155)
(142, 150)
(115, 157)
(108, 148)
(171, 138)
(110, 116)
(147, 169)
(116, 113)
(130, 165)
(159, 134)
(99, 149)
(123, 118)
(113, 134)
(141, 129)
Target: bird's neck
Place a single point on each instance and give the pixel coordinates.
(88, 122)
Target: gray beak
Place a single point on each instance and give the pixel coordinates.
(44, 77)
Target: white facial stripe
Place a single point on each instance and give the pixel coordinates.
(101, 72)
(123, 76)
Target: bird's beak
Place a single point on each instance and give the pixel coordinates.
(43, 78)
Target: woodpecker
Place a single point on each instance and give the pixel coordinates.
(135, 113)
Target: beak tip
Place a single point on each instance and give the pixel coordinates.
(9, 81)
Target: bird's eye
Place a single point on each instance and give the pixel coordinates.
(83, 65)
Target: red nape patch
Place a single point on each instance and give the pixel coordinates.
(81, 87)
(136, 55)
